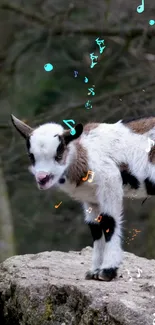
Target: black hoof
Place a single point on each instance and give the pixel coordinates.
(107, 274)
(91, 274)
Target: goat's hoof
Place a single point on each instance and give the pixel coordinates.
(91, 274)
(107, 274)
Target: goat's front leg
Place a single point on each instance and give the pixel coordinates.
(91, 213)
(110, 200)
(110, 197)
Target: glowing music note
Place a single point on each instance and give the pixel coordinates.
(90, 172)
(99, 42)
(76, 73)
(86, 80)
(138, 275)
(92, 56)
(89, 210)
(88, 104)
(151, 22)
(57, 206)
(140, 8)
(91, 91)
(48, 67)
(129, 275)
(151, 143)
(72, 132)
(99, 218)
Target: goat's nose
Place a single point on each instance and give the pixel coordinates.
(42, 178)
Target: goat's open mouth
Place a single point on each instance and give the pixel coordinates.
(46, 182)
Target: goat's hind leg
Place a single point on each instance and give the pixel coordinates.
(91, 213)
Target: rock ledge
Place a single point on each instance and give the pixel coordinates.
(49, 289)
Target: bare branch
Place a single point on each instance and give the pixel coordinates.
(29, 15)
(90, 30)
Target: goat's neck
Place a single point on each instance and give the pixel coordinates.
(78, 165)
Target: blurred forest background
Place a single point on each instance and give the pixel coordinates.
(63, 33)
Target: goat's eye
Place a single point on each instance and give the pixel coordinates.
(58, 157)
(31, 156)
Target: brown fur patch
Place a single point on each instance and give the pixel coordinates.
(64, 156)
(79, 166)
(152, 155)
(141, 125)
(65, 132)
(90, 126)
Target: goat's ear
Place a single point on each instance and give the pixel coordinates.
(24, 129)
(68, 137)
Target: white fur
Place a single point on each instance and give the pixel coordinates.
(44, 143)
(107, 147)
(99, 245)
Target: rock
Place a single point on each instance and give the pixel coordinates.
(49, 288)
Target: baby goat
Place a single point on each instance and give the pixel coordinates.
(117, 154)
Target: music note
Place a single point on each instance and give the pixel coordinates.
(76, 73)
(86, 80)
(57, 206)
(99, 218)
(140, 8)
(138, 275)
(129, 275)
(90, 172)
(72, 132)
(48, 67)
(92, 56)
(151, 22)
(89, 210)
(88, 104)
(99, 42)
(151, 143)
(91, 91)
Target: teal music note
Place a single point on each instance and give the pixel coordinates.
(92, 56)
(91, 91)
(99, 42)
(72, 132)
(151, 22)
(88, 104)
(140, 8)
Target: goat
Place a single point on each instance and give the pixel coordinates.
(116, 154)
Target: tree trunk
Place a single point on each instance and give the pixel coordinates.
(6, 228)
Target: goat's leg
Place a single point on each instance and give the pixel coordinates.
(110, 196)
(150, 179)
(91, 213)
(98, 248)
(110, 199)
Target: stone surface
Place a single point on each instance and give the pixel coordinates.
(49, 288)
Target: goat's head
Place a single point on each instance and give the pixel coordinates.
(50, 150)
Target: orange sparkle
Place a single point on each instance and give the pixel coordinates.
(99, 218)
